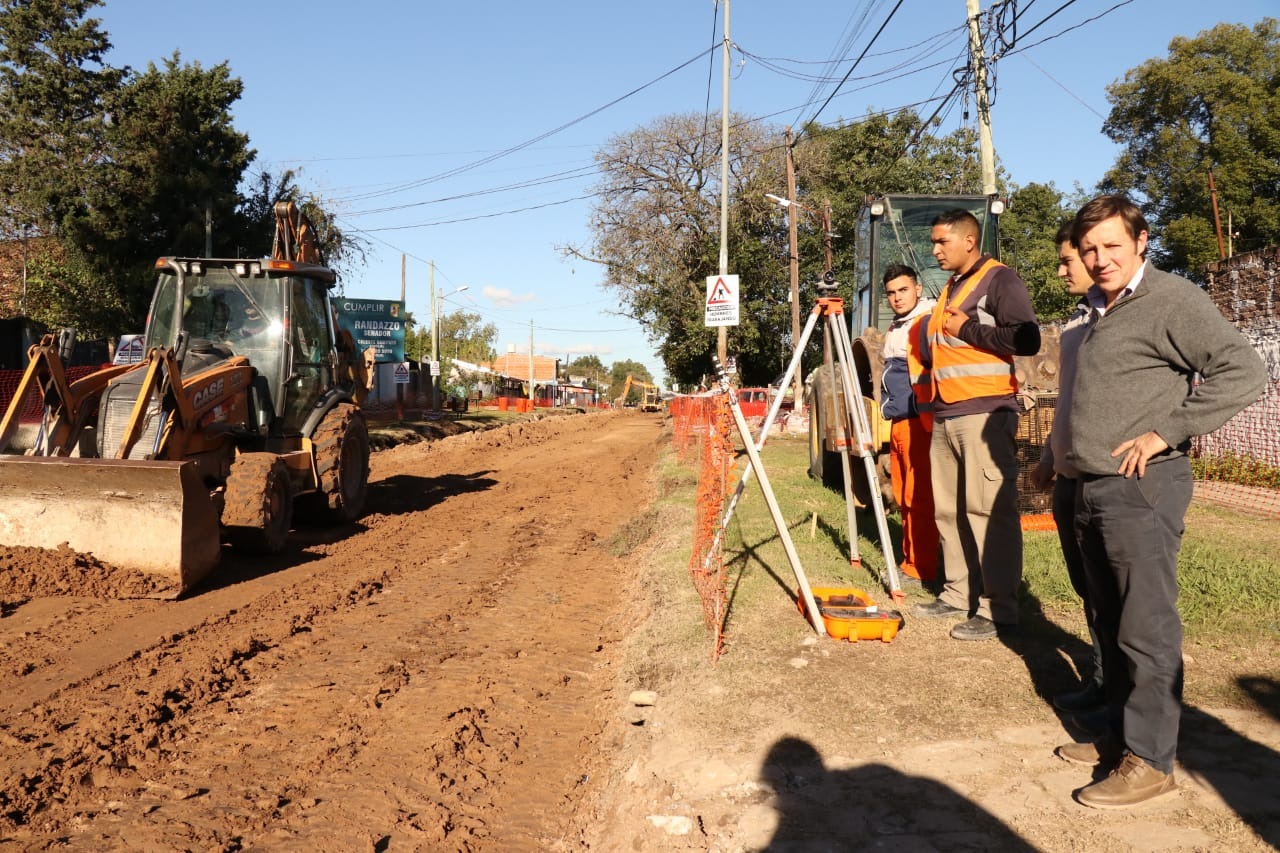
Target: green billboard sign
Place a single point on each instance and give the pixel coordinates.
(377, 323)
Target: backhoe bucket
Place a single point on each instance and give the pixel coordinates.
(153, 517)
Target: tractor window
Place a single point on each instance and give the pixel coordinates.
(309, 338)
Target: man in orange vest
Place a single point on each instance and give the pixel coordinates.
(911, 421)
(982, 320)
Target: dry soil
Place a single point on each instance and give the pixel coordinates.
(459, 671)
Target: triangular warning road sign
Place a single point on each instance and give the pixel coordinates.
(720, 293)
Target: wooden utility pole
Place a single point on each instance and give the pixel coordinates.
(793, 262)
(722, 335)
(1217, 219)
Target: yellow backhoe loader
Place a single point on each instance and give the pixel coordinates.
(247, 403)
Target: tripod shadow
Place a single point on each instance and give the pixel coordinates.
(871, 807)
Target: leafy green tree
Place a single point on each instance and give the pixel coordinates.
(586, 365)
(1212, 104)
(1027, 232)
(618, 373)
(253, 227)
(465, 336)
(52, 122)
(175, 163)
(656, 229)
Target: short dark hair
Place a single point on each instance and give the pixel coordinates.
(1064, 233)
(1105, 207)
(959, 219)
(898, 271)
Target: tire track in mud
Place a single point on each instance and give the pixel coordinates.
(436, 679)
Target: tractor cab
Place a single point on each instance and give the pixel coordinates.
(276, 314)
(896, 230)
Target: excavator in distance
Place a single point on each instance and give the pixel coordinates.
(650, 398)
(247, 404)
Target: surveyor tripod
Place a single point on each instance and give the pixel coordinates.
(852, 435)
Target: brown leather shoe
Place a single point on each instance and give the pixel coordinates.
(1105, 750)
(1133, 782)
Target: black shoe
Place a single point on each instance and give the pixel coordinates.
(936, 608)
(1085, 699)
(1094, 723)
(982, 628)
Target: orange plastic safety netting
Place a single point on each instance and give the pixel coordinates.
(702, 426)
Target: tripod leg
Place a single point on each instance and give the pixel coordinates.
(865, 441)
(764, 429)
(843, 435)
(753, 456)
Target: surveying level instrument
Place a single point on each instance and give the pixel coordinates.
(853, 433)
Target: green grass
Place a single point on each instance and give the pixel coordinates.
(1227, 568)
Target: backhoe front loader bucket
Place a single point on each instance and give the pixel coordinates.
(153, 517)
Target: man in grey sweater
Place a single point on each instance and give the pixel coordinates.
(1159, 365)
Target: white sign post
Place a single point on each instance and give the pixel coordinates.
(722, 301)
(402, 373)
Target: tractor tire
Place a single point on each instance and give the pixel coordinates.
(341, 443)
(257, 508)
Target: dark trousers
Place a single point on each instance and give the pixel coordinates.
(1064, 509)
(1130, 531)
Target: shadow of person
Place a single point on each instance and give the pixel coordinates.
(872, 806)
(1236, 767)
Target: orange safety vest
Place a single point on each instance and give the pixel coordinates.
(921, 379)
(960, 371)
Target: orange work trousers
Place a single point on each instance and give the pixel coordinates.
(909, 440)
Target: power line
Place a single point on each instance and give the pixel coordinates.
(529, 142)
(814, 117)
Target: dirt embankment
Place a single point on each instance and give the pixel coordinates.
(436, 677)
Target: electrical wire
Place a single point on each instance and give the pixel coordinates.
(813, 118)
(483, 161)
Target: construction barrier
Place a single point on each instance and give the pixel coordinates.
(709, 419)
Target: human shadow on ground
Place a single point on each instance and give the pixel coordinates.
(1236, 767)
(872, 807)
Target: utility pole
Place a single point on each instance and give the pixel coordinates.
(986, 147)
(722, 335)
(399, 387)
(435, 311)
(1217, 218)
(793, 262)
(531, 392)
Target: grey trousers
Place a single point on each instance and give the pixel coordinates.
(1130, 532)
(974, 466)
(1064, 510)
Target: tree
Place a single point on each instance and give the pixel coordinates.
(464, 336)
(589, 366)
(618, 374)
(254, 224)
(172, 162)
(656, 229)
(1027, 232)
(52, 123)
(1212, 104)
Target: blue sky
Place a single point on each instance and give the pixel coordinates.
(462, 134)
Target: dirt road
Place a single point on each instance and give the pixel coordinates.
(438, 677)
